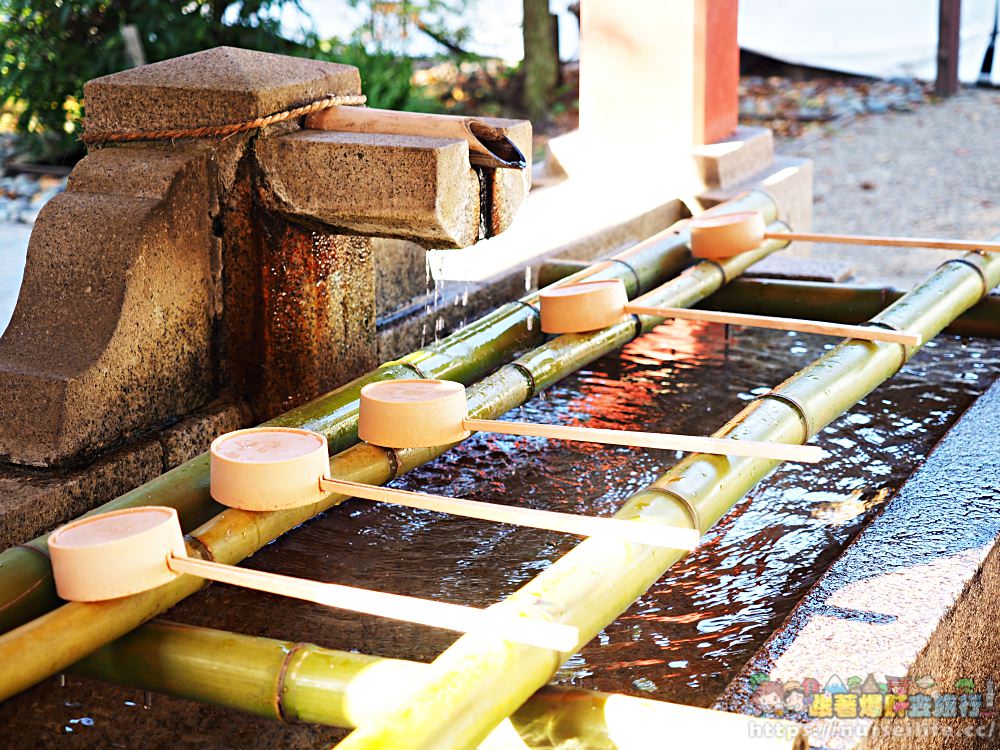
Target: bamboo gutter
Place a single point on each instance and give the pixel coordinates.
(52, 642)
(305, 683)
(26, 587)
(477, 682)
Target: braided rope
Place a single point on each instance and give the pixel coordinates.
(222, 131)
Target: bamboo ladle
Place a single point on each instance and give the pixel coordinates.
(129, 551)
(592, 305)
(725, 235)
(488, 146)
(272, 468)
(424, 413)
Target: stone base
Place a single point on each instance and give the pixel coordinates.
(914, 597)
(34, 501)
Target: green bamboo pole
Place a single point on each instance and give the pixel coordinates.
(55, 640)
(26, 587)
(837, 303)
(477, 682)
(305, 683)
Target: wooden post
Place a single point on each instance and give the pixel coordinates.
(662, 75)
(949, 27)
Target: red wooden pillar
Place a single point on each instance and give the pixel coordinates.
(661, 75)
(716, 70)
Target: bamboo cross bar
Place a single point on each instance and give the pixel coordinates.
(670, 537)
(725, 235)
(488, 146)
(126, 552)
(425, 413)
(593, 305)
(455, 617)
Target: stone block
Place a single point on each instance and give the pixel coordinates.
(408, 187)
(506, 189)
(193, 435)
(730, 161)
(214, 87)
(112, 332)
(33, 502)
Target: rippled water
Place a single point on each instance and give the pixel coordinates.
(685, 638)
(693, 630)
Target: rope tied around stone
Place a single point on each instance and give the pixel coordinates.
(223, 131)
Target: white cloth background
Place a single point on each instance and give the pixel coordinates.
(881, 38)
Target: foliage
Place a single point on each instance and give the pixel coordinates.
(386, 78)
(391, 23)
(50, 49)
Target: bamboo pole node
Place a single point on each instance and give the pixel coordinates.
(592, 305)
(428, 413)
(91, 137)
(126, 552)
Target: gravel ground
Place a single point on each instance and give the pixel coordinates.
(934, 172)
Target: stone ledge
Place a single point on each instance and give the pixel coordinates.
(913, 595)
(214, 87)
(409, 187)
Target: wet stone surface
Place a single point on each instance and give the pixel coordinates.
(684, 640)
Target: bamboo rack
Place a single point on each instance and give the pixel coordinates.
(50, 643)
(474, 686)
(304, 683)
(26, 587)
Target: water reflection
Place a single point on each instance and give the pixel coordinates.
(693, 630)
(702, 620)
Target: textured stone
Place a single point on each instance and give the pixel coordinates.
(33, 502)
(112, 332)
(193, 435)
(409, 187)
(215, 87)
(506, 189)
(730, 161)
(401, 274)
